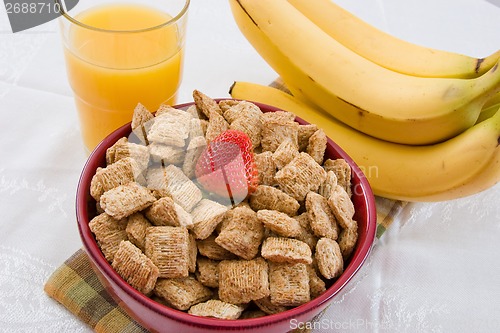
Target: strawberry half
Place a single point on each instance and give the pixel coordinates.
(227, 167)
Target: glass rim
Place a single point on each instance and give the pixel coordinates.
(71, 19)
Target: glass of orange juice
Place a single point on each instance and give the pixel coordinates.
(119, 54)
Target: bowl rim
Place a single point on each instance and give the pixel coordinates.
(359, 256)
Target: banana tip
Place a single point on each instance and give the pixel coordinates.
(231, 88)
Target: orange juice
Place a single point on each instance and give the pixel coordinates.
(126, 57)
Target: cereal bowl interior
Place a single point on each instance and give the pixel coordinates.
(158, 317)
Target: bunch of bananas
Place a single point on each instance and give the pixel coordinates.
(421, 123)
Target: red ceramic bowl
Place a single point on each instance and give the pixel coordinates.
(160, 318)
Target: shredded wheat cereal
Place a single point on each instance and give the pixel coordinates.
(163, 234)
(182, 293)
(168, 248)
(286, 250)
(217, 309)
(302, 175)
(329, 258)
(136, 230)
(241, 281)
(289, 284)
(242, 234)
(135, 268)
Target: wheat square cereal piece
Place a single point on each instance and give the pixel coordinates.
(329, 258)
(156, 181)
(208, 272)
(316, 284)
(194, 150)
(166, 154)
(206, 216)
(123, 149)
(163, 212)
(300, 176)
(343, 172)
(285, 153)
(251, 126)
(317, 146)
(135, 268)
(321, 217)
(306, 234)
(217, 309)
(122, 172)
(279, 116)
(164, 108)
(209, 248)
(140, 116)
(247, 118)
(170, 128)
(142, 119)
(205, 104)
(136, 230)
(241, 281)
(342, 207)
(243, 233)
(226, 219)
(268, 197)
(326, 189)
(197, 127)
(305, 132)
(193, 111)
(286, 250)
(265, 305)
(185, 218)
(182, 293)
(280, 223)
(181, 188)
(266, 167)
(216, 125)
(240, 109)
(304, 221)
(277, 130)
(110, 152)
(109, 232)
(168, 248)
(192, 253)
(289, 284)
(125, 200)
(307, 237)
(347, 241)
(226, 104)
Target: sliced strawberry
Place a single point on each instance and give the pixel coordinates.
(227, 166)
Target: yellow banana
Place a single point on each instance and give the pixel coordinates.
(385, 104)
(387, 50)
(460, 166)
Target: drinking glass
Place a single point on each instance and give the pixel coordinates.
(119, 54)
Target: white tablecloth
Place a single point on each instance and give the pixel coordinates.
(435, 270)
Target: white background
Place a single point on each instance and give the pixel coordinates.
(435, 270)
